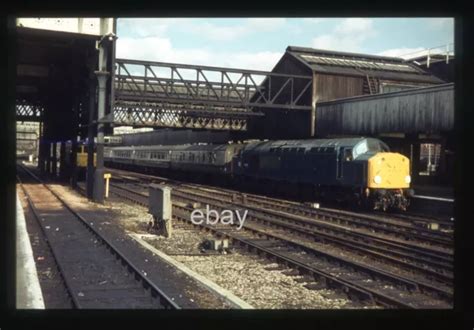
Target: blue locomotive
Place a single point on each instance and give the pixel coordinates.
(360, 170)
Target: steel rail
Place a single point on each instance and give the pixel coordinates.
(415, 285)
(166, 301)
(358, 244)
(384, 223)
(444, 259)
(408, 283)
(72, 297)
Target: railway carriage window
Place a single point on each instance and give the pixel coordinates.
(300, 150)
(293, 149)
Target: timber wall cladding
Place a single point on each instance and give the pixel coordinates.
(330, 87)
(430, 110)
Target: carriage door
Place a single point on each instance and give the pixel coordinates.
(340, 160)
(344, 155)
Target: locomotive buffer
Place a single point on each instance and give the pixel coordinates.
(159, 206)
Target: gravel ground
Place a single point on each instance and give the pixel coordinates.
(249, 277)
(253, 282)
(253, 279)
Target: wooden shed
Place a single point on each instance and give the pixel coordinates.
(336, 75)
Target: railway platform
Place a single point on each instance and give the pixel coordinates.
(434, 200)
(434, 191)
(28, 290)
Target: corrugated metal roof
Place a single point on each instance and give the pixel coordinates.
(384, 75)
(380, 67)
(365, 64)
(339, 54)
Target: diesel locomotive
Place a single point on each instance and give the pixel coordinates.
(360, 170)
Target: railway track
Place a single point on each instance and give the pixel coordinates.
(377, 229)
(95, 273)
(354, 278)
(406, 227)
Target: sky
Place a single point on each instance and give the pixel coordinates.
(258, 43)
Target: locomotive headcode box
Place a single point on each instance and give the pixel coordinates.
(159, 201)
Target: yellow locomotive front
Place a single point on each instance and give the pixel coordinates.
(388, 181)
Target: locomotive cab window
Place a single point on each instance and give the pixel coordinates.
(348, 154)
(360, 149)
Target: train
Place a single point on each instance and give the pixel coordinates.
(356, 170)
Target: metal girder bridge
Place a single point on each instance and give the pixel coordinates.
(28, 111)
(158, 94)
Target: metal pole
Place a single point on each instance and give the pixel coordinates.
(102, 75)
(73, 156)
(54, 161)
(447, 53)
(90, 138)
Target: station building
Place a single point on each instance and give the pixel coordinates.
(404, 103)
(407, 103)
